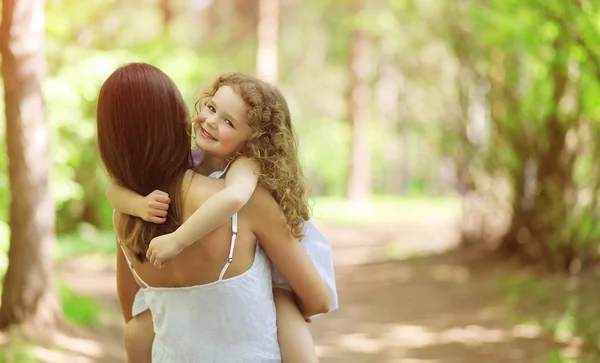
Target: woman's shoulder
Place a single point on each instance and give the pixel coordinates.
(261, 196)
(197, 187)
(262, 205)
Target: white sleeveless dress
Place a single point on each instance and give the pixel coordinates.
(316, 245)
(228, 320)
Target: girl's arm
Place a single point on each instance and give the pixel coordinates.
(240, 182)
(288, 256)
(151, 208)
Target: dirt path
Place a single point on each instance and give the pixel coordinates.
(425, 310)
(441, 308)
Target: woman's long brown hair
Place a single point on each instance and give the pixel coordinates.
(144, 143)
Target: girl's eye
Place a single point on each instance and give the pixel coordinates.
(229, 123)
(212, 109)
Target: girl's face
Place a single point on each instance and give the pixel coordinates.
(222, 127)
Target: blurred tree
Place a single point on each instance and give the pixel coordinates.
(268, 29)
(359, 179)
(166, 6)
(28, 296)
(246, 17)
(532, 170)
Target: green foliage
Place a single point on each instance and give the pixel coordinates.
(20, 352)
(86, 240)
(4, 244)
(86, 42)
(78, 310)
(540, 63)
(534, 67)
(331, 162)
(565, 308)
(385, 210)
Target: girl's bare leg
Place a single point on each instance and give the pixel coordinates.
(295, 340)
(139, 335)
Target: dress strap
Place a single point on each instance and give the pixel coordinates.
(226, 168)
(220, 174)
(234, 230)
(125, 253)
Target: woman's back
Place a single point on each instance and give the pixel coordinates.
(202, 262)
(204, 308)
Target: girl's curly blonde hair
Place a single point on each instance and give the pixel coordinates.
(273, 145)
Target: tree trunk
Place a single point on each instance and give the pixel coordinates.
(166, 7)
(211, 19)
(268, 28)
(28, 298)
(552, 173)
(534, 229)
(359, 179)
(246, 17)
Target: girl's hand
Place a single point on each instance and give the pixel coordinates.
(153, 207)
(163, 248)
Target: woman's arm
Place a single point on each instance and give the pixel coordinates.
(127, 287)
(288, 256)
(240, 182)
(151, 208)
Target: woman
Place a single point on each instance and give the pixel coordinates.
(243, 126)
(215, 302)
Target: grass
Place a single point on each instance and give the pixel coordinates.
(77, 309)
(566, 308)
(19, 352)
(87, 240)
(384, 209)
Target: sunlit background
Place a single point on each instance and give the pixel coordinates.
(451, 147)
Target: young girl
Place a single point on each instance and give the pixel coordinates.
(249, 136)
